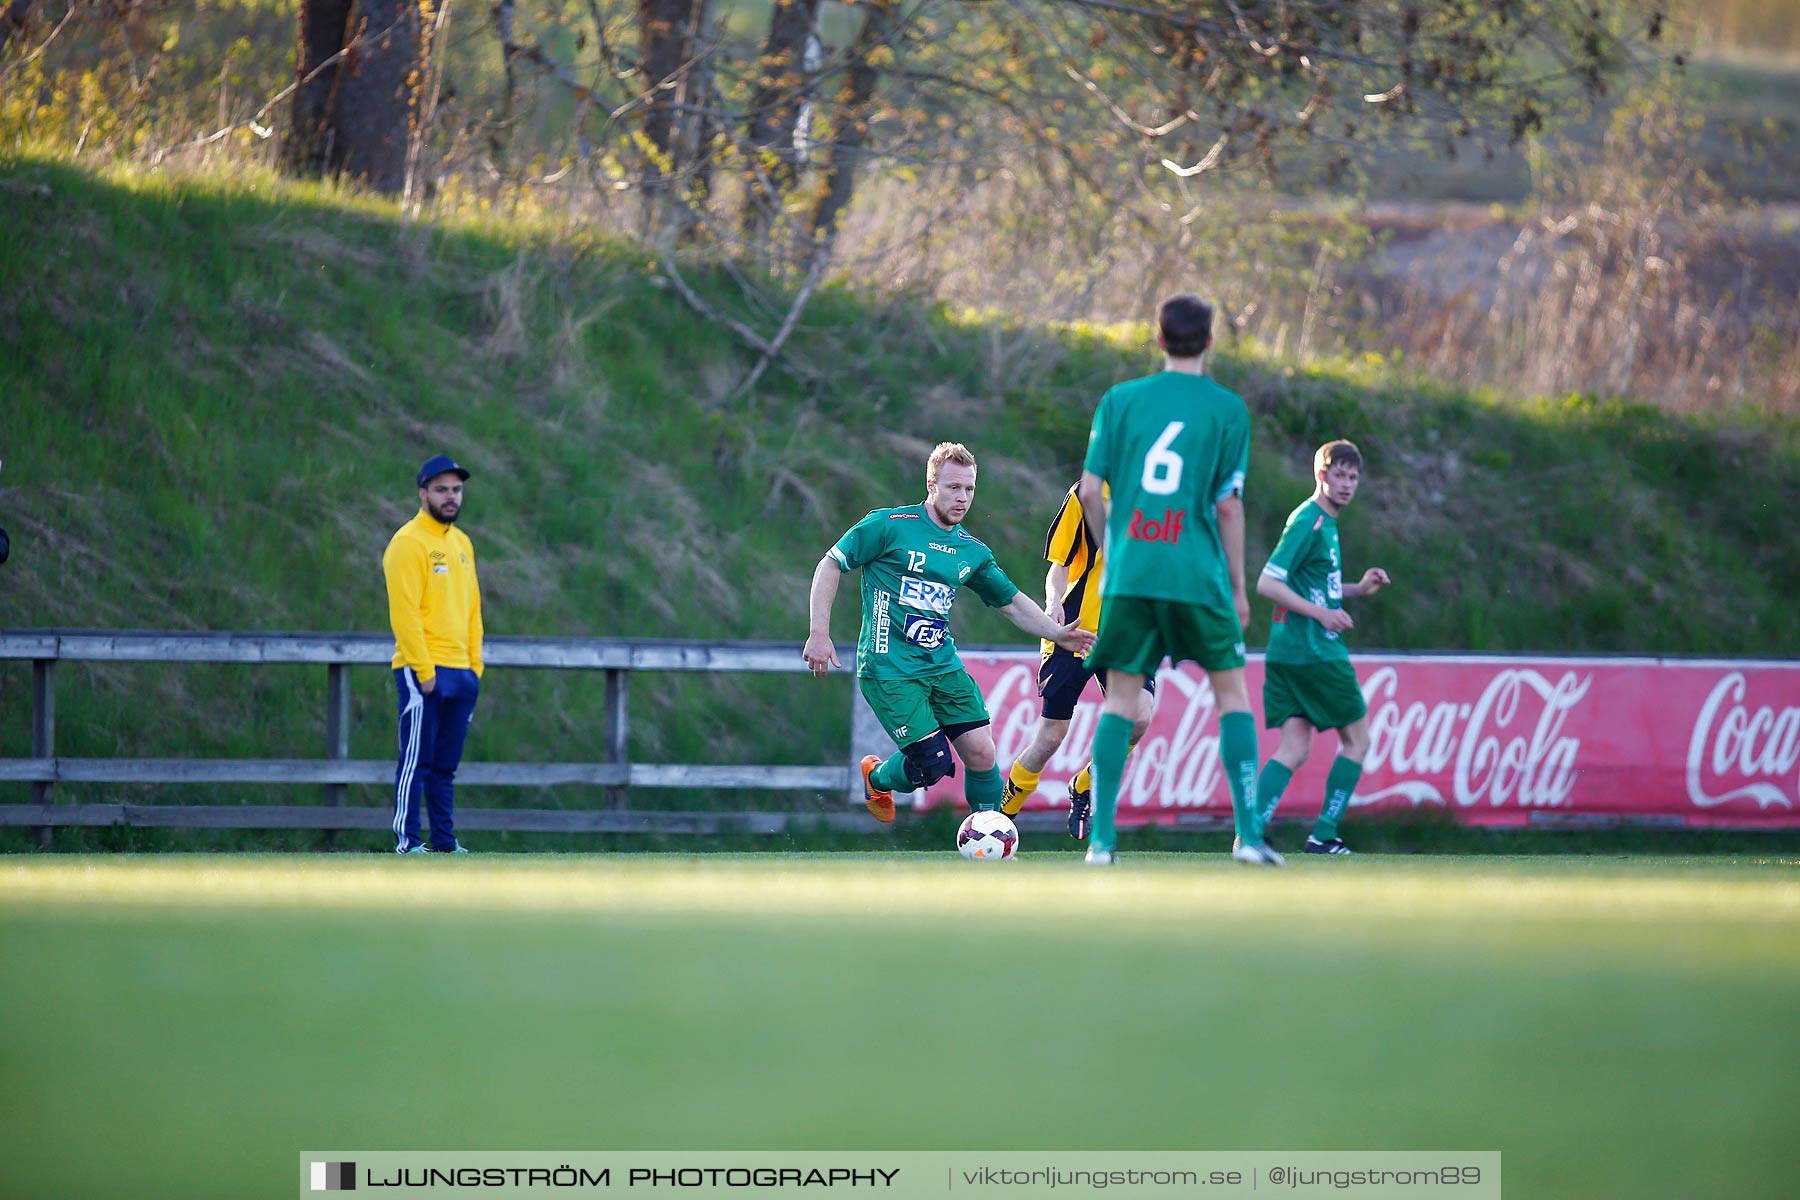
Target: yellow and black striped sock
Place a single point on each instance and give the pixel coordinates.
(1020, 783)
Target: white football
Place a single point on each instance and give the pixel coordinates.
(988, 836)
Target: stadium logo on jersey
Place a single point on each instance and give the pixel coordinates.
(923, 593)
(928, 633)
(881, 621)
(1166, 530)
(944, 548)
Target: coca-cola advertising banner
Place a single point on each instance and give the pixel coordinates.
(1495, 741)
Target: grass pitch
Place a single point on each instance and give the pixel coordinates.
(185, 1025)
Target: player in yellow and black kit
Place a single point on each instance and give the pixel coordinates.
(1071, 586)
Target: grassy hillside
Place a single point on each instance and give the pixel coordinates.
(213, 396)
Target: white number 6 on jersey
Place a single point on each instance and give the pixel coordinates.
(1162, 466)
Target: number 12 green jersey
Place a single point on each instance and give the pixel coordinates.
(911, 568)
(1171, 446)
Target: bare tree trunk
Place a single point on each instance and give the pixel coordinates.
(378, 92)
(698, 128)
(850, 120)
(674, 61)
(308, 147)
(356, 117)
(669, 39)
(782, 88)
(15, 18)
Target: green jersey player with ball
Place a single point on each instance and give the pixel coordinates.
(913, 560)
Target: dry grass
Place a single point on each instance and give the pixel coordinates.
(505, 296)
(1759, 30)
(1632, 278)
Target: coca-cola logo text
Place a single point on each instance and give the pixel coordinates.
(1495, 741)
(1492, 756)
(1733, 743)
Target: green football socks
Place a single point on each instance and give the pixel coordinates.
(890, 776)
(1084, 778)
(1269, 786)
(984, 789)
(1112, 743)
(1340, 785)
(1237, 758)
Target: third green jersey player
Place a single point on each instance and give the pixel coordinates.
(1173, 447)
(913, 559)
(1308, 683)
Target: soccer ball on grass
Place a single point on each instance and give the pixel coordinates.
(988, 836)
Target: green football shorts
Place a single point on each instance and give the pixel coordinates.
(910, 709)
(1136, 634)
(1325, 693)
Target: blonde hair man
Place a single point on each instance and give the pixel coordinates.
(913, 560)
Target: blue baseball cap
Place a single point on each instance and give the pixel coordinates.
(437, 465)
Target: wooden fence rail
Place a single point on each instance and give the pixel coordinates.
(618, 657)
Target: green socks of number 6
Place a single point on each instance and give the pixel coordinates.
(1237, 756)
(1112, 744)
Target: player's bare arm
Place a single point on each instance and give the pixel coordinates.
(1334, 619)
(1230, 514)
(819, 653)
(1373, 580)
(1023, 611)
(1056, 583)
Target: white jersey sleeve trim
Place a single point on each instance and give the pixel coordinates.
(1233, 487)
(1275, 572)
(838, 557)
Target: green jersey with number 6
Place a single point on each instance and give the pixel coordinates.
(1309, 560)
(911, 568)
(1170, 446)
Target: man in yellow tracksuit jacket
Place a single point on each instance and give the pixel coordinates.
(434, 605)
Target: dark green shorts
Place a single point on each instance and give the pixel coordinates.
(910, 709)
(1325, 693)
(1136, 634)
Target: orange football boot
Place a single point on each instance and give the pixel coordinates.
(879, 804)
